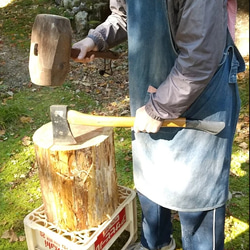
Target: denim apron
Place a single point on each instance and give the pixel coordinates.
(181, 169)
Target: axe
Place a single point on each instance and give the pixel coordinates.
(61, 118)
(50, 50)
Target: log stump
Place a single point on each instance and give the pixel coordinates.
(78, 182)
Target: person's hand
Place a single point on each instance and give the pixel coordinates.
(85, 45)
(145, 123)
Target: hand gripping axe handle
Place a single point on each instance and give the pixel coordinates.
(61, 118)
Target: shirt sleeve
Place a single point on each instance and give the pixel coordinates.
(232, 13)
(114, 30)
(200, 38)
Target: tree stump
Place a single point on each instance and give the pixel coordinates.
(78, 182)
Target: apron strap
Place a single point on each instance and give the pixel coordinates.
(231, 45)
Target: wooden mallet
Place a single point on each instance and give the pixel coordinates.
(50, 50)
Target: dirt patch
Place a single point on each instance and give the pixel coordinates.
(13, 66)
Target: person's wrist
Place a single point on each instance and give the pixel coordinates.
(91, 44)
(150, 111)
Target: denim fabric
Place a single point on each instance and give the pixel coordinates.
(200, 230)
(203, 230)
(156, 224)
(151, 53)
(181, 169)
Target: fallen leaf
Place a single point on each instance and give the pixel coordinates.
(125, 112)
(103, 84)
(30, 84)
(87, 90)
(2, 132)
(3, 223)
(26, 141)
(10, 234)
(175, 216)
(26, 119)
(243, 145)
(113, 104)
(6, 235)
(22, 238)
(86, 84)
(6, 99)
(127, 158)
(246, 118)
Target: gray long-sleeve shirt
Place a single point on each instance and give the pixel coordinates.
(198, 30)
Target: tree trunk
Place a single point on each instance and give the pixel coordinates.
(78, 182)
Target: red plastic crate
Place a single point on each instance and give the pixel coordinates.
(42, 235)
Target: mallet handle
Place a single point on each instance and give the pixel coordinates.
(75, 117)
(100, 54)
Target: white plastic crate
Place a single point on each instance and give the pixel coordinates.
(42, 235)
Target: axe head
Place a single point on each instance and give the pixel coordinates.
(62, 134)
(50, 50)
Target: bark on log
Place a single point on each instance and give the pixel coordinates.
(78, 182)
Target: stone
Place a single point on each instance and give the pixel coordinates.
(81, 21)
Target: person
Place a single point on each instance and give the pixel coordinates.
(182, 63)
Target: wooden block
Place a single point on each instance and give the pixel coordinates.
(78, 182)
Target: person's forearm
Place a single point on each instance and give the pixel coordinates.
(200, 38)
(114, 30)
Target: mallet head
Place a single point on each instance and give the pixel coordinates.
(50, 50)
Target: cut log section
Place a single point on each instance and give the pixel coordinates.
(78, 182)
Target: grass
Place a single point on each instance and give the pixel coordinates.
(27, 109)
(22, 114)
(20, 17)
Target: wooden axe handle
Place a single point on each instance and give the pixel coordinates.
(100, 54)
(75, 117)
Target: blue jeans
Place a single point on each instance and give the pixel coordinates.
(200, 230)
